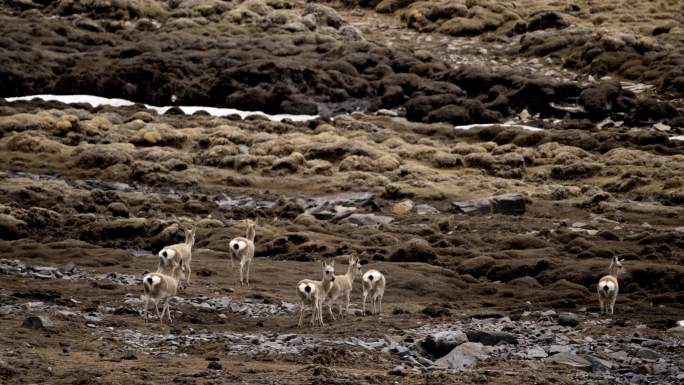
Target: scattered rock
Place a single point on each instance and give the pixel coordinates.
(648, 354)
(424, 209)
(570, 359)
(514, 203)
(491, 338)
(568, 319)
(402, 208)
(536, 352)
(662, 127)
(463, 356)
(398, 370)
(553, 349)
(599, 365)
(438, 344)
(38, 322)
(509, 204)
(368, 219)
(215, 365)
(475, 206)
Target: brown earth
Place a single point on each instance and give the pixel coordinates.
(105, 188)
(278, 56)
(633, 40)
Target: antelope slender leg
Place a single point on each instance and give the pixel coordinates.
(346, 311)
(168, 309)
(380, 303)
(301, 314)
(156, 306)
(147, 311)
(365, 294)
(330, 306)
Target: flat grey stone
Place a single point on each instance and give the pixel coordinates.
(559, 349)
(599, 365)
(536, 352)
(463, 356)
(570, 359)
(648, 354)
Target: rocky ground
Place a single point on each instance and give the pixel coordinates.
(492, 238)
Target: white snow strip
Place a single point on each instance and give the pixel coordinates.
(524, 127)
(678, 137)
(96, 101)
(576, 109)
(680, 323)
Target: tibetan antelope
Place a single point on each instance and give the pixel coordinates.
(342, 287)
(160, 287)
(181, 252)
(608, 287)
(242, 248)
(374, 285)
(313, 293)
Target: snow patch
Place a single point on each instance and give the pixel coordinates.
(524, 127)
(677, 137)
(96, 101)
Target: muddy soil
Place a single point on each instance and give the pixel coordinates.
(492, 238)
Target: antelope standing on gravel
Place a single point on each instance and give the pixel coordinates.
(374, 285)
(160, 287)
(243, 249)
(608, 287)
(343, 286)
(313, 293)
(180, 252)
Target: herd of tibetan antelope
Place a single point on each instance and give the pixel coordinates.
(174, 269)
